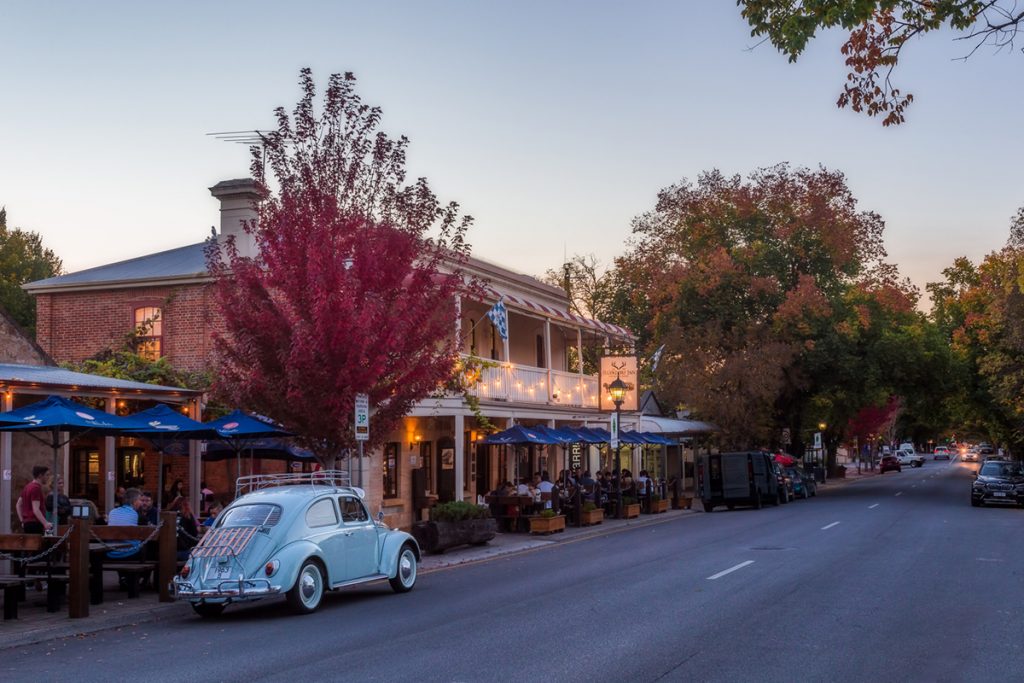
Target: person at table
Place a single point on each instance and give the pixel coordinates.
(214, 511)
(174, 495)
(587, 482)
(641, 483)
(30, 502)
(63, 504)
(524, 488)
(128, 512)
(148, 514)
(188, 529)
(545, 486)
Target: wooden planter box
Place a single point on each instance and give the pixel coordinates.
(436, 537)
(631, 511)
(593, 517)
(547, 525)
(659, 506)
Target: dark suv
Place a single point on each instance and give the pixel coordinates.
(889, 462)
(998, 482)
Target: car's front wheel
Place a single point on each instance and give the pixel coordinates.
(405, 577)
(305, 596)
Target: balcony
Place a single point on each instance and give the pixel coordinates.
(524, 384)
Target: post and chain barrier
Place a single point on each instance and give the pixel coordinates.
(44, 554)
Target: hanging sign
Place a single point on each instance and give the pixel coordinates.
(615, 431)
(362, 417)
(576, 457)
(624, 368)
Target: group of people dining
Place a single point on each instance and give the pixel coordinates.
(602, 490)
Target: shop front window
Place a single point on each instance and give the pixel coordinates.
(85, 473)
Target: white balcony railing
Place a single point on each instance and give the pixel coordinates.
(525, 384)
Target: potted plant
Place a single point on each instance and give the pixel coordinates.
(455, 523)
(547, 522)
(591, 514)
(658, 505)
(630, 507)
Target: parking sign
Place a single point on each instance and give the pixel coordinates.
(362, 417)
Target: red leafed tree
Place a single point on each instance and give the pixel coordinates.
(353, 286)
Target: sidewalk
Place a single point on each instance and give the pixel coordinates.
(35, 625)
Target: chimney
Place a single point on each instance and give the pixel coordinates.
(237, 204)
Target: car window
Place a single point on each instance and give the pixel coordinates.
(262, 514)
(352, 510)
(1000, 469)
(321, 513)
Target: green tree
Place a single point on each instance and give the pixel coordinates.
(879, 32)
(23, 258)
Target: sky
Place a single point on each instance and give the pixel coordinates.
(553, 124)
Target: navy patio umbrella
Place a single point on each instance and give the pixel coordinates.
(165, 428)
(237, 430)
(267, 449)
(518, 435)
(587, 435)
(57, 414)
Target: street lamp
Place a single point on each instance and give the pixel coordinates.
(617, 390)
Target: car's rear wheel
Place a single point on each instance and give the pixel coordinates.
(975, 503)
(757, 499)
(405, 577)
(208, 610)
(305, 596)
(708, 507)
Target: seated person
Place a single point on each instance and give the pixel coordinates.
(524, 488)
(214, 511)
(545, 486)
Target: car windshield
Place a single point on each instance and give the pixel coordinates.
(258, 514)
(1000, 469)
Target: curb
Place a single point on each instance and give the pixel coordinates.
(73, 629)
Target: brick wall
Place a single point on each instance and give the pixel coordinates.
(75, 326)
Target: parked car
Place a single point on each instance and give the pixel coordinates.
(786, 489)
(998, 482)
(889, 462)
(941, 453)
(297, 534)
(908, 456)
(731, 479)
(804, 485)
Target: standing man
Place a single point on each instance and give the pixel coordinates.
(30, 502)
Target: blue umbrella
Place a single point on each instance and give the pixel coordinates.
(585, 435)
(650, 438)
(55, 415)
(165, 427)
(238, 429)
(519, 435)
(556, 435)
(270, 449)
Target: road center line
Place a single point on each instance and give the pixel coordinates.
(871, 507)
(899, 493)
(730, 570)
(829, 526)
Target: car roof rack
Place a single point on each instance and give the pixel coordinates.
(331, 479)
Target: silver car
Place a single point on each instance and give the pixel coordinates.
(296, 534)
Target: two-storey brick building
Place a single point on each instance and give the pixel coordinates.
(535, 377)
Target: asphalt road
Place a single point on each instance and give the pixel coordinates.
(894, 578)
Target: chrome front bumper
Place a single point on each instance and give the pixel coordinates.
(226, 589)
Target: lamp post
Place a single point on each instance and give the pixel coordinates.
(617, 390)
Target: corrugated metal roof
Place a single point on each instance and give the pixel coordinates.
(180, 262)
(44, 375)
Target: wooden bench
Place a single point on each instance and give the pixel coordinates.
(136, 572)
(14, 592)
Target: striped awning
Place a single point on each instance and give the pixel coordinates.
(560, 315)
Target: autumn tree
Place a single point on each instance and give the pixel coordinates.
(879, 31)
(741, 278)
(352, 289)
(23, 258)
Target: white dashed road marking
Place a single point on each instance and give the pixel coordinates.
(871, 507)
(900, 493)
(730, 570)
(829, 526)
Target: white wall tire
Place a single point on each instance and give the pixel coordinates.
(305, 596)
(405, 574)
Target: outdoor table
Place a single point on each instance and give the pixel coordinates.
(522, 503)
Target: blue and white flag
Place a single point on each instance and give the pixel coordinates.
(499, 317)
(656, 358)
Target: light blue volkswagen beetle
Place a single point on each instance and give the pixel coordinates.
(297, 534)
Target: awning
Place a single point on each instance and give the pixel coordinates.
(668, 425)
(559, 314)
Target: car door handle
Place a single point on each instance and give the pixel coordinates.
(347, 533)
